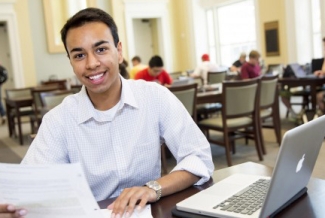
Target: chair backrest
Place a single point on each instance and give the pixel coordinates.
(36, 93)
(268, 93)
(216, 77)
(76, 88)
(240, 98)
(187, 95)
(54, 98)
(19, 93)
(175, 75)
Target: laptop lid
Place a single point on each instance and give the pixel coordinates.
(295, 162)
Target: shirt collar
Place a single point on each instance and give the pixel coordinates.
(86, 108)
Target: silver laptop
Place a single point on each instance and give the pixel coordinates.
(294, 165)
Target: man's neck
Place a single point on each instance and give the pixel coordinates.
(106, 100)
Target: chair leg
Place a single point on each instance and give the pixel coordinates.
(227, 145)
(258, 141)
(260, 136)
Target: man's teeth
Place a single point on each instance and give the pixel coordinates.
(96, 76)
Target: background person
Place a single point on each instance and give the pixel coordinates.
(236, 66)
(204, 67)
(318, 69)
(115, 127)
(137, 66)
(155, 72)
(3, 79)
(251, 68)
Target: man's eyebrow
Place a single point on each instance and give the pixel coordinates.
(75, 50)
(95, 45)
(100, 42)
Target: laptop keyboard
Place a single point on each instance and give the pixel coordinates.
(248, 200)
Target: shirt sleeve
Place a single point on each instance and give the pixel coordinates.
(167, 79)
(184, 139)
(49, 145)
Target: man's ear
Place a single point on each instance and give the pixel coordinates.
(120, 53)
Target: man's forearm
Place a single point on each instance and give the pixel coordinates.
(176, 181)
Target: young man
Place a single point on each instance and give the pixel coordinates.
(115, 127)
(236, 66)
(155, 72)
(204, 67)
(251, 69)
(137, 66)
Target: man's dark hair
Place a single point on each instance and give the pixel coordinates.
(136, 58)
(324, 39)
(86, 16)
(156, 61)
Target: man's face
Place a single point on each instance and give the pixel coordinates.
(155, 71)
(94, 57)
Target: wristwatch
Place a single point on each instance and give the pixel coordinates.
(156, 187)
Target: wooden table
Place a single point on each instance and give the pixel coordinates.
(312, 82)
(309, 205)
(16, 104)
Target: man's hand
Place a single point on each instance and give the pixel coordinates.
(319, 73)
(9, 211)
(129, 199)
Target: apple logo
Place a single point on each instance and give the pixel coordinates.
(299, 165)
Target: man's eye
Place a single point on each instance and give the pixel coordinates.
(78, 56)
(101, 50)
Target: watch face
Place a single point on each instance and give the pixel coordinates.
(154, 185)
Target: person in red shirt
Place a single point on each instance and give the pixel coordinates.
(251, 69)
(155, 72)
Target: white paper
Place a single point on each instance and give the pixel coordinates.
(144, 213)
(50, 191)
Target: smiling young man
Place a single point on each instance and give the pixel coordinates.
(155, 72)
(115, 127)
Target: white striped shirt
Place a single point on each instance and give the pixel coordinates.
(122, 149)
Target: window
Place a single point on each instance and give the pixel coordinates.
(235, 31)
(316, 25)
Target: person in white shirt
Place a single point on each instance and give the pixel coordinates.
(115, 127)
(204, 67)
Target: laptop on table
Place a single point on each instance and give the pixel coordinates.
(294, 165)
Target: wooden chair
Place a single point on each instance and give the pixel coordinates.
(54, 98)
(206, 110)
(76, 88)
(216, 77)
(239, 111)
(187, 95)
(269, 108)
(23, 96)
(38, 105)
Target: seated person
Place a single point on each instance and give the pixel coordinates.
(115, 127)
(318, 69)
(236, 66)
(251, 69)
(155, 72)
(204, 67)
(137, 66)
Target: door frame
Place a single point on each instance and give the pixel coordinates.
(8, 16)
(150, 10)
